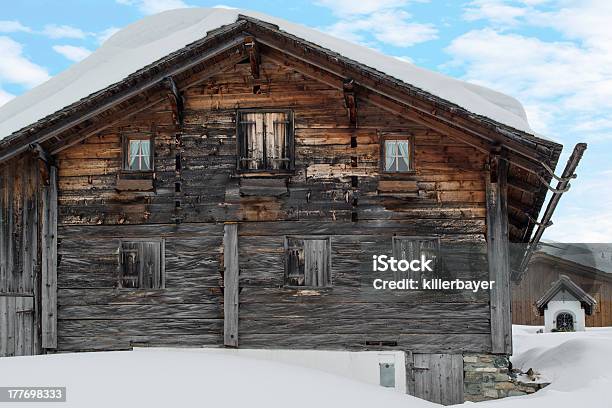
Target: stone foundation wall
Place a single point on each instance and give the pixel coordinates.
(487, 376)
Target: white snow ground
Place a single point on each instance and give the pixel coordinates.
(578, 364)
(156, 36)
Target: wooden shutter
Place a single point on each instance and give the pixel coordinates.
(277, 136)
(141, 265)
(316, 262)
(294, 269)
(251, 141)
(409, 248)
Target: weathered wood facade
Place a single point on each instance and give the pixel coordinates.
(224, 232)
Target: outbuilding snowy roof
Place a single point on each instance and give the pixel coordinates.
(154, 37)
(566, 284)
(592, 255)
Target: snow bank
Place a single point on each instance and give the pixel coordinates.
(154, 37)
(188, 378)
(576, 363)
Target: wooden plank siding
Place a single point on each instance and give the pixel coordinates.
(20, 258)
(542, 272)
(337, 190)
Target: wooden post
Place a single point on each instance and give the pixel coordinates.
(498, 257)
(49, 262)
(231, 302)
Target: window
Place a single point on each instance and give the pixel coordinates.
(397, 154)
(308, 261)
(410, 248)
(565, 322)
(141, 264)
(265, 140)
(138, 152)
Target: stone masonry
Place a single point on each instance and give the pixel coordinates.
(487, 376)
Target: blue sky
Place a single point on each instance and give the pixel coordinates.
(555, 56)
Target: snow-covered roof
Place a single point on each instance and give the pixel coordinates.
(593, 255)
(154, 37)
(566, 284)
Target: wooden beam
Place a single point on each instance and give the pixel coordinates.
(176, 101)
(231, 301)
(254, 59)
(350, 101)
(498, 256)
(49, 262)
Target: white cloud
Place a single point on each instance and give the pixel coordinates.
(63, 31)
(16, 68)
(104, 35)
(590, 218)
(566, 83)
(154, 6)
(71, 52)
(352, 7)
(385, 25)
(5, 97)
(497, 11)
(7, 26)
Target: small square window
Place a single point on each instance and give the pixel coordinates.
(397, 155)
(138, 153)
(308, 262)
(141, 264)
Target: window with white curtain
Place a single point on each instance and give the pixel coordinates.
(138, 153)
(397, 155)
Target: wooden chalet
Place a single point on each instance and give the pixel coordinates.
(233, 192)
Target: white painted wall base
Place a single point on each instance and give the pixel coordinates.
(362, 366)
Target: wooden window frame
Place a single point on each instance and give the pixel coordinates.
(125, 154)
(438, 264)
(162, 262)
(290, 142)
(383, 153)
(330, 282)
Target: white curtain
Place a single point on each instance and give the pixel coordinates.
(145, 150)
(134, 147)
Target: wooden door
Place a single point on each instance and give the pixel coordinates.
(437, 378)
(16, 326)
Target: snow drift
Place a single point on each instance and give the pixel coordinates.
(154, 37)
(576, 363)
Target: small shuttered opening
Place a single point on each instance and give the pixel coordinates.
(140, 265)
(308, 262)
(412, 248)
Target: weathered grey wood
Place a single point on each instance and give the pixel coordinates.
(231, 302)
(497, 252)
(425, 343)
(49, 262)
(438, 377)
(16, 326)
